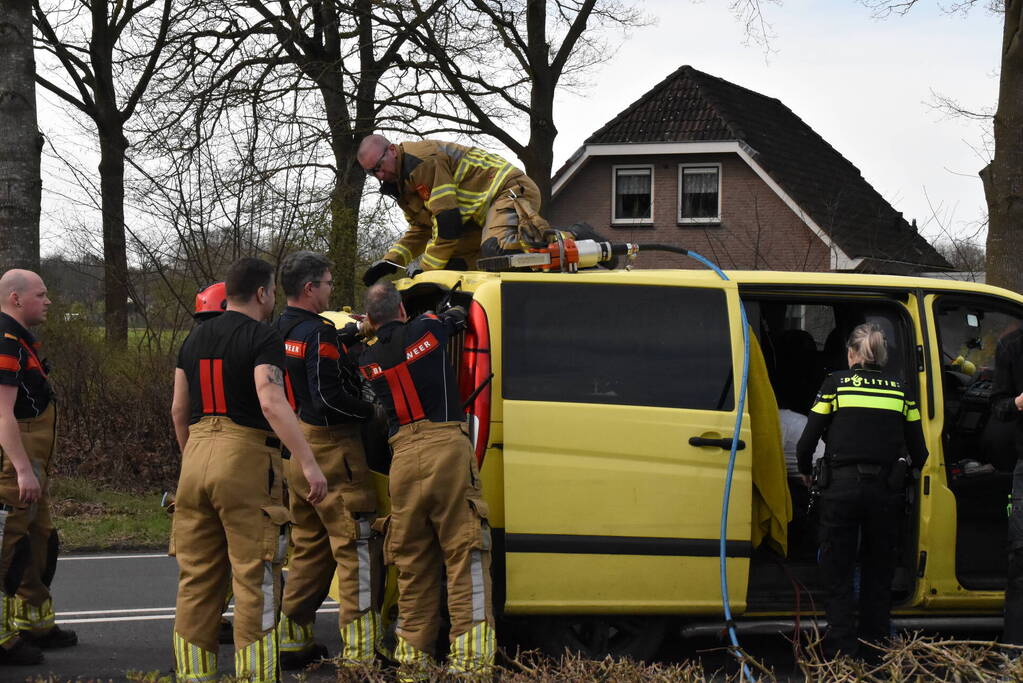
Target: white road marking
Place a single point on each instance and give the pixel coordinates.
(152, 617)
(112, 557)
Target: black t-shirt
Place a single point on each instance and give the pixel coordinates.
(410, 372)
(322, 380)
(21, 366)
(219, 356)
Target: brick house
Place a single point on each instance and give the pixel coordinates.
(708, 165)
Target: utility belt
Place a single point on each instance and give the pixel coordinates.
(827, 470)
(213, 424)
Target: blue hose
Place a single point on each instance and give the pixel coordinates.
(731, 469)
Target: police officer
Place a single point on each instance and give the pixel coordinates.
(332, 536)
(230, 523)
(1007, 405)
(870, 422)
(453, 197)
(438, 516)
(28, 556)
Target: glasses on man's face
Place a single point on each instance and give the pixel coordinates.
(375, 168)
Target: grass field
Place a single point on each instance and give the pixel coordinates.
(92, 518)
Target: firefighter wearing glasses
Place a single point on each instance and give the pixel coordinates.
(870, 423)
(438, 517)
(453, 197)
(334, 535)
(230, 523)
(27, 437)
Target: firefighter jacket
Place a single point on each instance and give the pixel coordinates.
(1008, 383)
(409, 369)
(322, 382)
(20, 366)
(445, 190)
(868, 419)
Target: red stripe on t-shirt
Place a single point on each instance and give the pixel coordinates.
(329, 351)
(411, 395)
(397, 395)
(218, 386)
(9, 363)
(206, 385)
(289, 392)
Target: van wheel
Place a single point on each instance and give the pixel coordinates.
(597, 637)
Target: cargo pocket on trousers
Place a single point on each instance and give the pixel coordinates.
(277, 521)
(478, 534)
(382, 526)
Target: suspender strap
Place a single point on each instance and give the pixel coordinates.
(407, 405)
(285, 331)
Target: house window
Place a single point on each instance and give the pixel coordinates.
(699, 192)
(632, 191)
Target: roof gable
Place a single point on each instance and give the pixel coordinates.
(692, 106)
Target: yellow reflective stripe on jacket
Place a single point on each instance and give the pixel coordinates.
(911, 412)
(438, 193)
(876, 402)
(825, 404)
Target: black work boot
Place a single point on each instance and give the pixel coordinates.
(53, 639)
(292, 661)
(20, 653)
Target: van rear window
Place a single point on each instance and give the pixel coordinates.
(618, 344)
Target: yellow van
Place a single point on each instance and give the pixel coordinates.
(604, 440)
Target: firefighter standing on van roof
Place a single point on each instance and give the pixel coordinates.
(230, 523)
(1007, 405)
(438, 516)
(869, 421)
(28, 557)
(453, 197)
(333, 535)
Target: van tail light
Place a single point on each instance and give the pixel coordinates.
(475, 371)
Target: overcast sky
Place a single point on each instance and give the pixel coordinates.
(863, 84)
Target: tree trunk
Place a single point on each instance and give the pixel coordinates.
(115, 261)
(20, 141)
(1003, 177)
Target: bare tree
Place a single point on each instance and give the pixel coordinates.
(1003, 176)
(506, 59)
(20, 142)
(322, 65)
(120, 40)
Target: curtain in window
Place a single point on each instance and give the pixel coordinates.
(634, 184)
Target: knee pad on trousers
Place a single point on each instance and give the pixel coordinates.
(52, 551)
(22, 556)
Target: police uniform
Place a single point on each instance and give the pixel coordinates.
(28, 558)
(1008, 384)
(869, 421)
(333, 535)
(230, 522)
(455, 196)
(438, 516)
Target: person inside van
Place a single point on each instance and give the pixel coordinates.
(870, 422)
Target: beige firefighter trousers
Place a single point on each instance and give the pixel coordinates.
(334, 536)
(513, 221)
(438, 520)
(230, 526)
(28, 556)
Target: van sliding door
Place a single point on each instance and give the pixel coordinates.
(608, 508)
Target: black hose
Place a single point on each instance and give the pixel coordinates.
(663, 247)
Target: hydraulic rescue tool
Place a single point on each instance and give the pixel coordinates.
(568, 255)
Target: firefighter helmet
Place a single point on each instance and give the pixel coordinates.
(211, 301)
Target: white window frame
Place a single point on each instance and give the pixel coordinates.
(697, 221)
(615, 220)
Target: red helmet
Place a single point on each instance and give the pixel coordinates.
(211, 301)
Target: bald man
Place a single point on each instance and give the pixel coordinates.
(453, 196)
(28, 553)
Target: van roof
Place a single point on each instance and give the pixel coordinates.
(472, 280)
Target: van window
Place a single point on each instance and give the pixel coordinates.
(616, 344)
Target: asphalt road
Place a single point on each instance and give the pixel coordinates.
(122, 606)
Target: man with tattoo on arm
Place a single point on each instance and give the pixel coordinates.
(230, 520)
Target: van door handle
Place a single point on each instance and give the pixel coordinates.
(720, 443)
